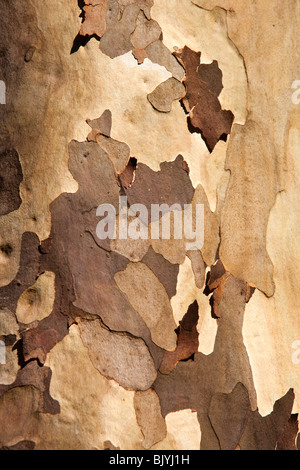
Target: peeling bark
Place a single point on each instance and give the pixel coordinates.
(131, 344)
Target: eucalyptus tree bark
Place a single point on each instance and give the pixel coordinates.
(127, 340)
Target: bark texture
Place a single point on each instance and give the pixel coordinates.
(145, 344)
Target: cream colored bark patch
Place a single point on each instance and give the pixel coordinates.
(89, 416)
(214, 173)
(37, 301)
(244, 218)
(186, 290)
(149, 298)
(183, 432)
(148, 413)
(273, 325)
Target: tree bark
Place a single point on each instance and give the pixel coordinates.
(128, 340)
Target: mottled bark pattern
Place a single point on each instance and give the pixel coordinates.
(126, 344)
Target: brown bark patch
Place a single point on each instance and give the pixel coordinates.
(10, 178)
(203, 85)
(187, 342)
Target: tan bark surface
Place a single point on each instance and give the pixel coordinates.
(146, 344)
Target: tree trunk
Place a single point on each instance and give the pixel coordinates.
(114, 334)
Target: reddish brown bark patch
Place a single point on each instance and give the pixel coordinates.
(187, 342)
(37, 342)
(27, 274)
(203, 85)
(186, 167)
(212, 75)
(215, 284)
(140, 55)
(94, 22)
(287, 440)
(127, 176)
